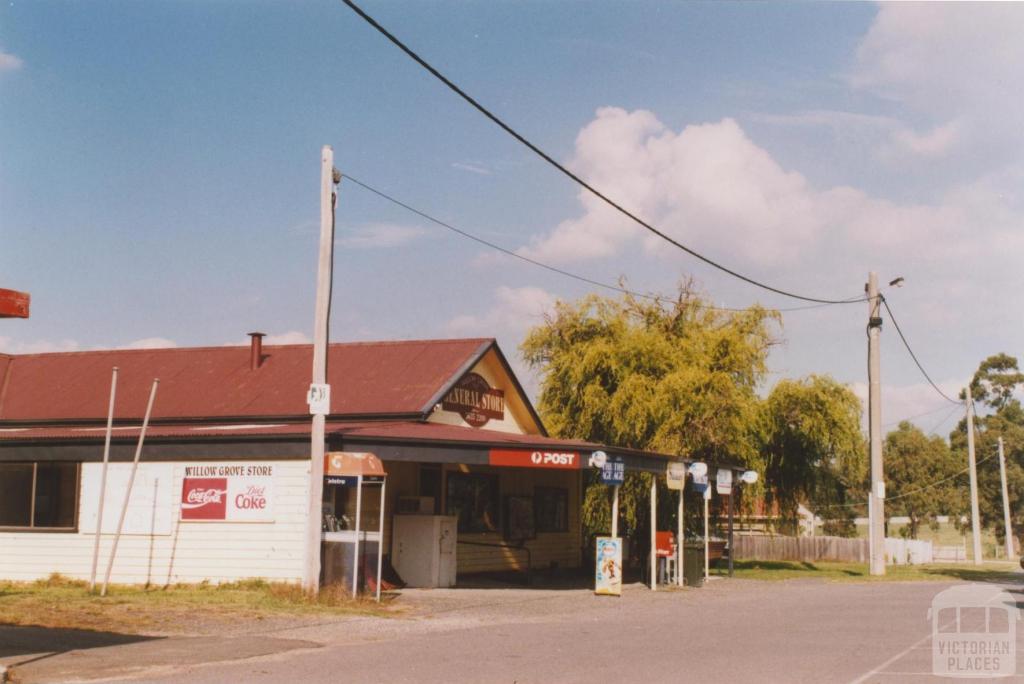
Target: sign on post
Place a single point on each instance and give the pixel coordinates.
(675, 476)
(319, 399)
(608, 566)
(723, 482)
(701, 485)
(613, 472)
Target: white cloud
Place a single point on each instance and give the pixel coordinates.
(888, 138)
(935, 143)
(713, 189)
(9, 346)
(514, 311)
(478, 169)
(290, 337)
(379, 235)
(705, 182)
(919, 403)
(9, 62)
(150, 343)
(949, 61)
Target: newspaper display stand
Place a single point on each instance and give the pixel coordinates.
(346, 541)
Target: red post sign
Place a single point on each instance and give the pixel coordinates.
(525, 458)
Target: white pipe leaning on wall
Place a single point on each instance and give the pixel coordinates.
(103, 482)
(128, 491)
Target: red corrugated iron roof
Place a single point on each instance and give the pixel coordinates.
(367, 378)
(386, 431)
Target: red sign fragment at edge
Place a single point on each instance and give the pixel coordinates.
(14, 304)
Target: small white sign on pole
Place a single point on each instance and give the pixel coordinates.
(723, 482)
(319, 399)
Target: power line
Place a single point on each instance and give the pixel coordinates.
(914, 356)
(582, 183)
(919, 415)
(919, 489)
(941, 422)
(938, 482)
(553, 269)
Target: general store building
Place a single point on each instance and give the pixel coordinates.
(452, 426)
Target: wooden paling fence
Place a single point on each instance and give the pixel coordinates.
(802, 548)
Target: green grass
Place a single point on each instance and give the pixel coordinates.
(59, 602)
(846, 572)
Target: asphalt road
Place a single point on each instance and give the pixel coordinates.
(730, 631)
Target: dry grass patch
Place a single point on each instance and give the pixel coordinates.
(60, 602)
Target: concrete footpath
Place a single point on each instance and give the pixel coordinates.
(735, 630)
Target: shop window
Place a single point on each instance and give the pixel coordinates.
(39, 495)
(473, 497)
(552, 507)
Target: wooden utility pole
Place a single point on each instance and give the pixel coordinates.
(975, 515)
(1007, 527)
(876, 510)
(319, 391)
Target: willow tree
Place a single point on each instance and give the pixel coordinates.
(674, 376)
(814, 449)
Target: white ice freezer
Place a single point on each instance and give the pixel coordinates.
(423, 549)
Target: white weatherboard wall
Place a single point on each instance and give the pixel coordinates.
(158, 548)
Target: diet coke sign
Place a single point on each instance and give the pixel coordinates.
(228, 493)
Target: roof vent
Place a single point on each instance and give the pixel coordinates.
(256, 350)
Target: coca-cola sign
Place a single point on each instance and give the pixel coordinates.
(475, 400)
(203, 498)
(236, 492)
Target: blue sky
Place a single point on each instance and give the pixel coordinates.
(159, 171)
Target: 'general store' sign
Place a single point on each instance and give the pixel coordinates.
(475, 400)
(237, 492)
(525, 458)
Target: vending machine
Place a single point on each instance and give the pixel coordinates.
(423, 549)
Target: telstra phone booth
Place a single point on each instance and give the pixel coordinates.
(353, 520)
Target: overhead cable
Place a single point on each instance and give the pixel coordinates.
(906, 344)
(582, 183)
(529, 260)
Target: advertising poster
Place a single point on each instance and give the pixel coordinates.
(608, 568)
(228, 493)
